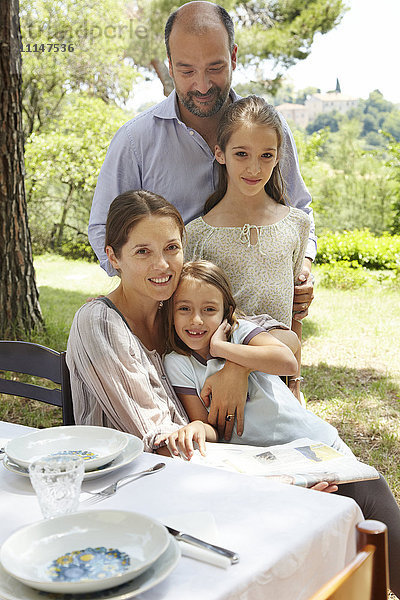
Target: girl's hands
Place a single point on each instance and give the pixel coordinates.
(220, 335)
(181, 441)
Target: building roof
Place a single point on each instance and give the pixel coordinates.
(289, 106)
(333, 97)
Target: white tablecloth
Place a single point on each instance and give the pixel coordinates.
(290, 540)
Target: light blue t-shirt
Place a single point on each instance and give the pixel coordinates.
(272, 415)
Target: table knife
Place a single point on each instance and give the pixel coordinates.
(184, 537)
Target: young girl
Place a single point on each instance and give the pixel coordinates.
(200, 320)
(247, 229)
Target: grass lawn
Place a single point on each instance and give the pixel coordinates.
(351, 368)
(351, 365)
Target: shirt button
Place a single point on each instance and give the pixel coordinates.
(191, 132)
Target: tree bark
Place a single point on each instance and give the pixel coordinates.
(19, 298)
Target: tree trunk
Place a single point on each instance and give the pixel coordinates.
(163, 75)
(19, 299)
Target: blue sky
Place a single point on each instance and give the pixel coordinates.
(363, 52)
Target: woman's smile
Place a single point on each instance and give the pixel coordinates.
(162, 281)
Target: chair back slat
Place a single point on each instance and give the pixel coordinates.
(375, 533)
(28, 390)
(366, 577)
(31, 359)
(352, 583)
(39, 361)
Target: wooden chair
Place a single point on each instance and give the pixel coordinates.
(367, 576)
(33, 359)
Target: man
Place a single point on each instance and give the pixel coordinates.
(169, 149)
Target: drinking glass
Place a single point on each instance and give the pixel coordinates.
(57, 483)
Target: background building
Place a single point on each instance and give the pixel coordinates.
(302, 114)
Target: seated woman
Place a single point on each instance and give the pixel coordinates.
(116, 342)
(115, 347)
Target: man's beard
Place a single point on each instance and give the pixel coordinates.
(215, 104)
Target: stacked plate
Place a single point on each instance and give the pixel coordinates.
(103, 554)
(103, 449)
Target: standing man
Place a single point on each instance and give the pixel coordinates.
(169, 149)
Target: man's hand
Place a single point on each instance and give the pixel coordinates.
(303, 292)
(226, 394)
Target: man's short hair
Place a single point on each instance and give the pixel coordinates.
(224, 17)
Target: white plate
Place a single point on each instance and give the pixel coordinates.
(97, 445)
(84, 552)
(132, 450)
(11, 589)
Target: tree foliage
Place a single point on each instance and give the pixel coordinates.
(97, 31)
(62, 168)
(278, 30)
(393, 163)
(351, 186)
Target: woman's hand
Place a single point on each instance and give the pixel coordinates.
(220, 335)
(324, 486)
(181, 441)
(225, 393)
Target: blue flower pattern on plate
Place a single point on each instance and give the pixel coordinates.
(89, 563)
(85, 454)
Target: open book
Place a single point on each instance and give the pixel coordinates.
(302, 462)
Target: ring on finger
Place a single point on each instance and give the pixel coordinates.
(229, 417)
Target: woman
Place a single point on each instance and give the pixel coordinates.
(115, 344)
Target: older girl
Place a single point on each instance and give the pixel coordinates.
(248, 229)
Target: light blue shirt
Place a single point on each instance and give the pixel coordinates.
(272, 414)
(157, 152)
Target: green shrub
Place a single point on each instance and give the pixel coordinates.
(342, 275)
(360, 247)
(77, 249)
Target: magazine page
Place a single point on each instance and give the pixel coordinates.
(303, 462)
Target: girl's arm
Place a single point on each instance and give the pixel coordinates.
(194, 408)
(263, 353)
(294, 382)
(287, 337)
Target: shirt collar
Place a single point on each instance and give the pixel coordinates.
(200, 359)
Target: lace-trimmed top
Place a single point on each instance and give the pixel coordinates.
(262, 274)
